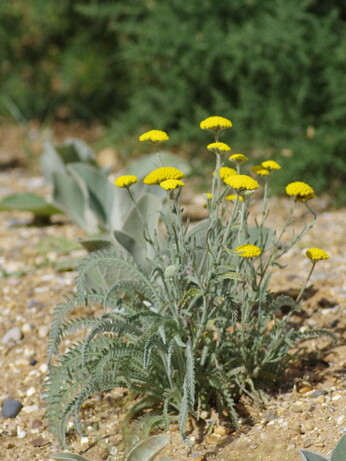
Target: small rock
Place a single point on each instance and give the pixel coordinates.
(308, 426)
(27, 327)
(270, 415)
(340, 420)
(39, 442)
(36, 423)
(304, 389)
(21, 434)
(43, 368)
(11, 408)
(321, 399)
(33, 303)
(307, 443)
(84, 441)
(13, 334)
(291, 446)
(221, 430)
(296, 409)
(204, 414)
(31, 391)
(32, 362)
(318, 393)
(43, 331)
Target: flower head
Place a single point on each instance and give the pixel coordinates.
(316, 254)
(125, 180)
(215, 123)
(260, 170)
(219, 147)
(154, 136)
(234, 198)
(241, 181)
(248, 251)
(161, 174)
(271, 165)
(171, 184)
(226, 171)
(208, 196)
(301, 191)
(238, 158)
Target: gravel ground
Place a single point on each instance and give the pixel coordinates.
(308, 411)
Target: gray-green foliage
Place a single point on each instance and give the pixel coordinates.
(338, 454)
(191, 326)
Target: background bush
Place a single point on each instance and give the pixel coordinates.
(277, 69)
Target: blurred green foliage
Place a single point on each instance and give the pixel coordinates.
(276, 68)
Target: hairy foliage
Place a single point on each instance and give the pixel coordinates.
(192, 329)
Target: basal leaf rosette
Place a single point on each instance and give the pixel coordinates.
(126, 180)
(241, 182)
(219, 147)
(154, 136)
(248, 251)
(172, 184)
(300, 191)
(161, 174)
(215, 123)
(316, 254)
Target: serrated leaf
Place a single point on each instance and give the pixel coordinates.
(148, 448)
(68, 457)
(28, 202)
(339, 453)
(310, 456)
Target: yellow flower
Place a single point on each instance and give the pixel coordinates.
(258, 169)
(316, 254)
(241, 181)
(209, 196)
(215, 123)
(271, 165)
(301, 191)
(248, 251)
(163, 173)
(234, 198)
(171, 184)
(238, 158)
(154, 136)
(125, 180)
(226, 171)
(219, 147)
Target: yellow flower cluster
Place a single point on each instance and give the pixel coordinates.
(248, 251)
(125, 180)
(241, 181)
(316, 254)
(171, 184)
(301, 191)
(154, 136)
(161, 174)
(271, 165)
(226, 171)
(219, 147)
(215, 123)
(238, 158)
(235, 198)
(209, 196)
(258, 169)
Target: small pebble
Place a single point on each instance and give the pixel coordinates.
(27, 327)
(21, 434)
(340, 420)
(43, 331)
(307, 443)
(318, 393)
(291, 446)
(11, 408)
(31, 391)
(84, 441)
(32, 362)
(39, 442)
(13, 334)
(43, 368)
(221, 430)
(321, 399)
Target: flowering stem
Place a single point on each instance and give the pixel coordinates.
(306, 282)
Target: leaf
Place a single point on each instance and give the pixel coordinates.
(148, 448)
(28, 202)
(339, 453)
(96, 244)
(68, 457)
(310, 456)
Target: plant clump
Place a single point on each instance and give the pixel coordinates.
(188, 320)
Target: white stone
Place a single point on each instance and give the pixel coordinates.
(31, 391)
(43, 368)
